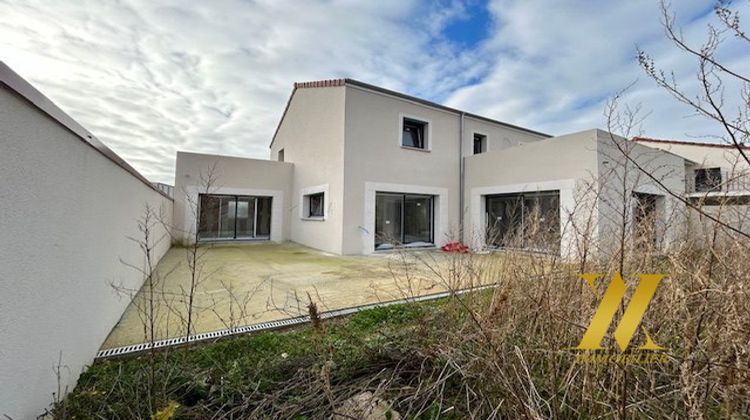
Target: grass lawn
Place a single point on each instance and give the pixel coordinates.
(267, 374)
(499, 353)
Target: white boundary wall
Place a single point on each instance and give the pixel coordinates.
(67, 207)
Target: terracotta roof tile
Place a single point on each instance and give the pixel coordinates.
(687, 143)
(320, 83)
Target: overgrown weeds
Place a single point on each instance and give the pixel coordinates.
(503, 352)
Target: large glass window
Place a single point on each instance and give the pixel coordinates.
(504, 215)
(388, 219)
(210, 214)
(245, 220)
(263, 217)
(644, 219)
(403, 219)
(227, 217)
(234, 217)
(417, 219)
(525, 220)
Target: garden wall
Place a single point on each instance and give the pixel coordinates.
(67, 207)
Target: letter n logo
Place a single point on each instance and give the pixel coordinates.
(631, 318)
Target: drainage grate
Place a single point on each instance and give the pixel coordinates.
(271, 325)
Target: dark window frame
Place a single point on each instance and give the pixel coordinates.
(403, 197)
(319, 211)
(645, 210)
(707, 179)
(417, 130)
(521, 197)
(480, 140)
(235, 198)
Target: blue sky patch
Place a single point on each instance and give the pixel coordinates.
(472, 28)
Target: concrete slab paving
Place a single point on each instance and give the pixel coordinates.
(243, 284)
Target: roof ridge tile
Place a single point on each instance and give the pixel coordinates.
(320, 83)
(687, 142)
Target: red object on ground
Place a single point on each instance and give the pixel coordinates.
(455, 247)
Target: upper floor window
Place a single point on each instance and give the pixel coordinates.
(480, 143)
(414, 133)
(281, 155)
(708, 179)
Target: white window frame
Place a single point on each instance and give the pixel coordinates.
(304, 202)
(428, 132)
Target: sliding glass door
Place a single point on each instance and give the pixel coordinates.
(644, 219)
(417, 219)
(227, 217)
(263, 217)
(525, 220)
(503, 219)
(245, 220)
(403, 219)
(388, 219)
(234, 217)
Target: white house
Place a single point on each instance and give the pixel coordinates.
(357, 168)
(717, 179)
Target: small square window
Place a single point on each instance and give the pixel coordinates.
(315, 205)
(480, 143)
(413, 134)
(708, 179)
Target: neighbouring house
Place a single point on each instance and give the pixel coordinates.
(717, 169)
(357, 169)
(717, 179)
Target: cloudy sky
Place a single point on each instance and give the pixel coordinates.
(150, 77)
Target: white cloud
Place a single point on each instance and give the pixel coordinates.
(150, 78)
(557, 63)
(153, 77)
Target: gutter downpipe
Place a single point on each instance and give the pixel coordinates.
(461, 170)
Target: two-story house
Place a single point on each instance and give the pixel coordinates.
(357, 169)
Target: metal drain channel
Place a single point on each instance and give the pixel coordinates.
(272, 325)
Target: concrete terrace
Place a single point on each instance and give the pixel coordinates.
(251, 283)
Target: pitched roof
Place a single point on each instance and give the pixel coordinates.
(687, 143)
(352, 82)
